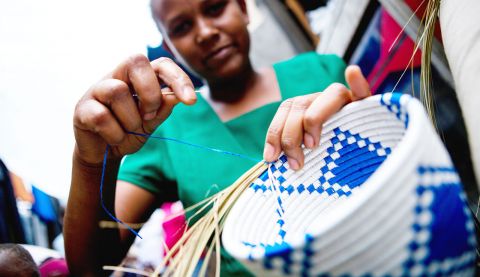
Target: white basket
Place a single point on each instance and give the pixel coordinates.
(379, 196)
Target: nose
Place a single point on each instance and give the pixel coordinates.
(207, 32)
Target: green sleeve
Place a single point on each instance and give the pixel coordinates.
(309, 72)
(150, 168)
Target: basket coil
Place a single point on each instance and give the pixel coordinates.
(379, 196)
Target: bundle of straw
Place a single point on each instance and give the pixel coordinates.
(182, 259)
(203, 236)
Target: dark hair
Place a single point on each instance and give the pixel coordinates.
(17, 261)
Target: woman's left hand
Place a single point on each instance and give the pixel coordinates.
(300, 119)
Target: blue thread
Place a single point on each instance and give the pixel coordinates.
(197, 146)
(104, 165)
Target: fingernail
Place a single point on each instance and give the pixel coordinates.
(149, 116)
(308, 140)
(268, 152)
(293, 164)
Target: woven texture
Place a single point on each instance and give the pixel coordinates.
(378, 197)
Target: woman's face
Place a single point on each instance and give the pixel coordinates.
(211, 36)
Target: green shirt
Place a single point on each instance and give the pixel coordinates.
(170, 170)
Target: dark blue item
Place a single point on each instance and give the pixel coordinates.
(11, 230)
(43, 206)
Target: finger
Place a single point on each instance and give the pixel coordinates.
(292, 134)
(117, 96)
(177, 80)
(93, 116)
(357, 82)
(272, 143)
(323, 107)
(138, 72)
(168, 103)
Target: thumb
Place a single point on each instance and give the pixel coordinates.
(357, 82)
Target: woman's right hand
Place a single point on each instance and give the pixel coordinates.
(109, 109)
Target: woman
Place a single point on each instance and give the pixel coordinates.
(234, 112)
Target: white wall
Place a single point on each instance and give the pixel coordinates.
(51, 51)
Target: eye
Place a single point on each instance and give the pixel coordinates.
(180, 28)
(215, 9)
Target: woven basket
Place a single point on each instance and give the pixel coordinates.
(379, 197)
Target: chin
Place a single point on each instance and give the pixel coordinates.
(232, 68)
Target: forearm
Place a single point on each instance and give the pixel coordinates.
(101, 117)
(88, 247)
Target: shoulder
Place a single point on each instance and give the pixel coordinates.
(309, 72)
(312, 60)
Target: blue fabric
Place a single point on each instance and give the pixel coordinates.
(43, 206)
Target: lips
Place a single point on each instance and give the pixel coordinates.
(219, 55)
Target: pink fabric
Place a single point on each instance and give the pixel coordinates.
(389, 30)
(54, 268)
(174, 226)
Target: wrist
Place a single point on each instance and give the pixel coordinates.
(82, 167)
(93, 161)
(91, 173)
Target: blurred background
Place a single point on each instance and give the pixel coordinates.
(50, 53)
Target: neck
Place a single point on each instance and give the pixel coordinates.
(231, 90)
